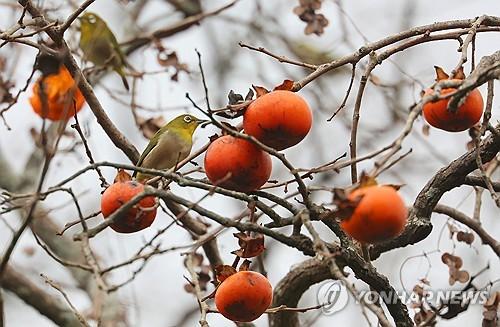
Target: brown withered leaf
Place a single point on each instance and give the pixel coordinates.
(213, 137)
(245, 266)
(249, 95)
(490, 315)
(169, 58)
(234, 98)
(259, 90)
(306, 10)
(122, 176)
(426, 129)
(224, 271)
(366, 180)
(454, 264)
(287, 85)
(250, 246)
(203, 279)
(459, 74)
(426, 315)
(197, 260)
(425, 281)
(441, 74)
(465, 237)
(229, 126)
(345, 205)
(150, 126)
(397, 187)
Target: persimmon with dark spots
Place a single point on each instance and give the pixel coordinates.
(279, 119)
(244, 296)
(62, 97)
(237, 164)
(379, 215)
(140, 216)
(467, 115)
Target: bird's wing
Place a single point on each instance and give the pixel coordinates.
(152, 143)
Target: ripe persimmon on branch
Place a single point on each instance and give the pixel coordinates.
(338, 220)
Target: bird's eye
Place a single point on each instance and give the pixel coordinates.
(188, 119)
(92, 19)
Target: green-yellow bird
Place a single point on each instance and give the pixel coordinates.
(99, 45)
(171, 144)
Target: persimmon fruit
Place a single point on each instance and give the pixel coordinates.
(279, 119)
(237, 164)
(140, 216)
(62, 95)
(379, 215)
(467, 115)
(244, 296)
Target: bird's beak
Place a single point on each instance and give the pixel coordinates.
(203, 122)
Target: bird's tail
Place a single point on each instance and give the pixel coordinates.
(124, 78)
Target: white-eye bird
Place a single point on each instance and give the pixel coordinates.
(99, 45)
(171, 144)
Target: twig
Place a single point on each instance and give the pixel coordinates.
(60, 290)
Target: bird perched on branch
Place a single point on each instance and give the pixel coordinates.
(99, 45)
(171, 144)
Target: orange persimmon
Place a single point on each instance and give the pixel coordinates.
(62, 96)
(279, 119)
(140, 216)
(244, 296)
(379, 215)
(466, 116)
(237, 164)
(436, 113)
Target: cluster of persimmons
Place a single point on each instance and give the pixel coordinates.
(279, 120)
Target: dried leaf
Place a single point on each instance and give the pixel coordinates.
(366, 180)
(150, 126)
(259, 90)
(229, 126)
(459, 74)
(425, 281)
(213, 137)
(250, 246)
(470, 145)
(197, 260)
(492, 305)
(440, 74)
(224, 271)
(307, 13)
(245, 266)
(249, 95)
(397, 187)
(426, 129)
(454, 264)
(234, 98)
(465, 237)
(462, 276)
(169, 58)
(122, 176)
(425, 315)
(345, 205)
(287, 85)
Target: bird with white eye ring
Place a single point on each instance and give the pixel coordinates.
(171, 144)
